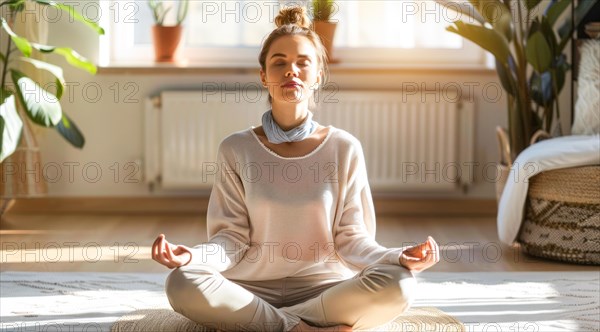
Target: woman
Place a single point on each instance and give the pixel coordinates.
(291, 223)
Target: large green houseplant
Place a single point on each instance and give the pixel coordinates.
(528, 40)
(17, 89)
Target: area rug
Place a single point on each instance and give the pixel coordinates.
(416, 319)
(505, 301)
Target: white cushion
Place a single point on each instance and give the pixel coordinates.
(587, 107)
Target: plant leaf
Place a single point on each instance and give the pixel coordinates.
(56, 71)
(555, 9)
(530, 4)
(566, 30)
(487, 39)
(22, 43)
(540, 87)
(14, 5)
(12, 127)
(76, 60)
(534, 27)
(538, 52)
(561, 67)
(582, 10)
(4, 93)
(67, 129)
(41, 106)
(182, 11)
(549, 35)
(164, 15)
(43, 48)
(72, 57)
(506, 78)
(10, 2)
(498, 15)
(505, 22)
(72, 13)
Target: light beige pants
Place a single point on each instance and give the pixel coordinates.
(373, 297)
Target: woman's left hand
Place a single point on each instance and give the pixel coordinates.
(421, 256)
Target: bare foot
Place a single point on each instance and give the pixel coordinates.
(304, 327)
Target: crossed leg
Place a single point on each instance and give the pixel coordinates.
(373, 297)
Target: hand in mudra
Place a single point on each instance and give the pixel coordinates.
(421, 256)
(168, 254)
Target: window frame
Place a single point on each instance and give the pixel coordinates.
(117, 46)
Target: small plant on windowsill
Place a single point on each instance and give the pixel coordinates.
(167, 38)
(322, 12)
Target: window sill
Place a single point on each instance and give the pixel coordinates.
(153, 68)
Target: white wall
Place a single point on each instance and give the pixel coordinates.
(113, 128)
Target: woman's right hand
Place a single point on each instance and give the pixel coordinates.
(170, 255)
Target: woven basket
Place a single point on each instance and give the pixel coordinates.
(21, 174)
(562, 215)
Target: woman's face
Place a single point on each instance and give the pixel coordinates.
(291, 69)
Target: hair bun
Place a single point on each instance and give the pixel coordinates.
(293, 15)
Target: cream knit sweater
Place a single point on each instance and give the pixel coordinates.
(272, 217)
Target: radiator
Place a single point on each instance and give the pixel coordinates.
(411, 142)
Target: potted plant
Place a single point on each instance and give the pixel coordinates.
(530, 60)
(322, 11)
(23, 90)
(24, 100)
(167, 38)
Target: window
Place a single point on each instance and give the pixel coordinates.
(369, 31)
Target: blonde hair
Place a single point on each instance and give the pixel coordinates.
(293, 21)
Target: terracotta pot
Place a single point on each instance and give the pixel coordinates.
(167, 40)
(326, 31)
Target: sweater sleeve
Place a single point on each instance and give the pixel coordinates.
(355, 235)
(227, 217)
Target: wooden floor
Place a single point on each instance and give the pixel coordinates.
(121, 242)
